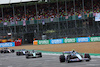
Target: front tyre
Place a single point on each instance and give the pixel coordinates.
(40, 54)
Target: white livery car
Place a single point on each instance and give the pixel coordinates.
(72, 56)
(7, 50)
(33, 54)
(21, 52)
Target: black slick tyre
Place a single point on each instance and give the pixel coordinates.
(87, 56)
(12, 51)
(1, 51)
(40, 54)
(62, 58)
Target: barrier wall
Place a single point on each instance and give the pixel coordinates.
(68, 40)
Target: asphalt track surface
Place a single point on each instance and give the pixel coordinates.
(11, 60)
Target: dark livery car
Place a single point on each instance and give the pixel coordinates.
(6, 50)
(21, 52)
(33, 54)
(71, 56)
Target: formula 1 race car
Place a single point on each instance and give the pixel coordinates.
(6, 50)
(21, 52)
(33, 54)
(71, 56)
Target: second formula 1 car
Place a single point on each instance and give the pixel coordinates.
(7, 50)
(71, 56)
(21, 52)
(33, 54)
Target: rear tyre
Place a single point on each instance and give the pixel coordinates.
(62, 58)
(87, 56)
(1, 51)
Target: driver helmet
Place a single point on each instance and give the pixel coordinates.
(33, 51)
(73, 50)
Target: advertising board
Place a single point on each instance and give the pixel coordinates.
(94, 39)
(40, 42)
(70, 40)
(35, 42)
(56, 41)
(82, 39)
(7, 44)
